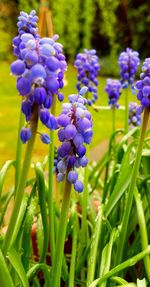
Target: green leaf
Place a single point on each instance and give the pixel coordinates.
(122, 183)
(26, 236)
(141, 283)
(5, 278)
(3, 172)
(126, 264)
(20, 218)
(36, 268)
(146, 152)
(42, 201)
(17, 264)
(94, 246)
(5, 205)
(119, 280)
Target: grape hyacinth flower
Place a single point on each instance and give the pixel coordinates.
(39, 70)
(128, 62)
(113, 89)
(75, 130)
(134, 114)
(143, 85)
(88, 68)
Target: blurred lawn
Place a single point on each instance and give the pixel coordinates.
(10, 107)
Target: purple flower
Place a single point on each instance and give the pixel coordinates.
(88, 67)
(143, 85)
(72, 176)
(134, 114)
(75, 129)
(128, 62)
(113, 89)
(18, 67)
(25, 134)
(78, 186)
(39, 70)
(45, 138)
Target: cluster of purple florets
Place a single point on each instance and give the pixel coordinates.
(134, 114)
(88, 67)
(128, 62)
(113, 89)
(143, 85)
(75, 130)
(39, 70)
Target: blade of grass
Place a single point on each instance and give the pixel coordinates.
(14, 259)
(94, 246)
(143, 229)
(5, 277)
(43, 207)
(126, 264)
(3, 173)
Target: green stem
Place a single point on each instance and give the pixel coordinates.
(113, 119)
(143, 229)
(129, 200)
(126, 264)
(51, 189)
(22, 182)
(56, 271)
(126, 111)
(73, 254)
(84, 205)
(18, 151)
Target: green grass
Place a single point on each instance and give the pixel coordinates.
(10, 106)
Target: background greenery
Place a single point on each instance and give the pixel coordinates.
(108, 26)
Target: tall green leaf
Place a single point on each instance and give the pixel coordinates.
(17, 264)
(5, 278)
(122, 183)
(3, 172)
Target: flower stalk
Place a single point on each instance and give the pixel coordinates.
(126, 111)
(56, 270)
(51, 188)
(113, 118)
(22, 181)
(18, 151)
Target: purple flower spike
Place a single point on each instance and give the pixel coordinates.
(128, 62)
(143, 85)
(88, 67)
(75, 129)
(113, 89)
(39, 70)
(134, 115)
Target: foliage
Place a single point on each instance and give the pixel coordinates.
(29, 5)
(108, 9)
(106, 26)
(139, 15)
(88, 18)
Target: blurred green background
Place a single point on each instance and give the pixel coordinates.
(109, 26)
